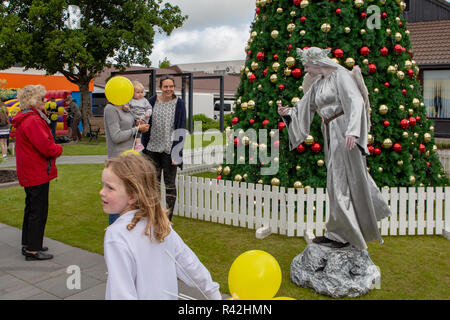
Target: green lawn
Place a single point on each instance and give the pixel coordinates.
(85, 147)
(412, 267)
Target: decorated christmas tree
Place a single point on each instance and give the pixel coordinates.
(369, 33)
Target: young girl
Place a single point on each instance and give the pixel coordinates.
(143, 254)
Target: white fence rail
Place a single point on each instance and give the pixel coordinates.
(444, 157)
(415, 211)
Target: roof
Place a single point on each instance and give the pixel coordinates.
(430, 42)
(231, 82)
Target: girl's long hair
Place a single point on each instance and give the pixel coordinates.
(141, 182)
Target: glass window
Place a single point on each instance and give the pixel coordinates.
(436, 93)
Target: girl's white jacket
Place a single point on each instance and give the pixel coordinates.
(140, 268)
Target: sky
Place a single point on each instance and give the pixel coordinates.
(214, 31)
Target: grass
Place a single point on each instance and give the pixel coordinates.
(85, 148)
(412, 267)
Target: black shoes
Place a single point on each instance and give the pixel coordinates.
(39, 255)
(24, 249)
(330, 243)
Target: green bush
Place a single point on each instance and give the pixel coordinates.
(207, 123)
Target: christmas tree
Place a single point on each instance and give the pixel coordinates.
(369, 33)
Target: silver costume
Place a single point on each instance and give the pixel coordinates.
(356, 203)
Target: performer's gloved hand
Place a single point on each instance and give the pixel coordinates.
(350, 142)
(283, 111)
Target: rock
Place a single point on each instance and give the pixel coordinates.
(344, 272)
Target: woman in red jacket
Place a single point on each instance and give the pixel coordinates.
(36, 153)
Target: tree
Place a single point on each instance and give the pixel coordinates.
(371, 34)
(38, 34)
(164, 64)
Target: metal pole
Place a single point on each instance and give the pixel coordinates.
(221, 103)
(191, 104)
(183, 88)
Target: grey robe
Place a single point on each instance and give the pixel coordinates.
(356, 203)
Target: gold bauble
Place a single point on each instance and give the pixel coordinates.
(241, 160)
(262, 147)
(432, 129)
(298, 168)
(246, 140)
(387, 143)
(350, 62)
(383, 2)
(238, 178)
(362, 31)
(326, 27)
(260, 87)
(309, 140)
(398, 36)
(270, 103)
(219, 170)
(416, 135)
(383, 109)
(427, 137)
(366, 61)
(401, 107)
(359, 3)
(307, 187)
(290, 61)
(405, 134)
(226, 170)
(400, 75)
(402, 6)
(370, 138)
(280, 10)
(274, 34)
(260, 181)
(400, 162)
(388, 31)
(416, 102)
(295, 100)
(304, 4)
(408, 65)
(275, 182)
(380, 169)
(376, 90)
(300, 88)
(435, 148)
(320, 163)
(336, 60)
(287, 72)
(302, 33)
(255, 66)
(244, 105)
(410, 112)
(254, 145)
(275, 66)
(391, 69)
(290, 27)
(297, 184)
(412, 180)
(347, 29)
(245, 176)
(251, 104)
(273, 78)
(293, 13)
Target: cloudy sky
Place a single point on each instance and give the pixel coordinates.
(215, 31)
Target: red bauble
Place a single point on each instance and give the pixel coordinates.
(387, 84)
(281, 125)
(316, 147)
(384, 51)
(265, 71)
(301, 148)
(410, 73)
(371, 149)
(297, 2)
(386, 123)
(398, 48)
(404, 123)
(418, 118)
(251, 121)
(397, 147)
(384, 15)
(377, 151)
(428, 164)
(422, 148)
(372, 68)
(260, 56)
(252, 78)
(364, 51)
(220, 177)
(235, 120)
(400, 24)
(338, 53)
(236, 141)
(303, 19)
(289, 47)
(363, 15)
(404, 92)
(296, 73)
(265, 123)
(276, 143)
(281, 87)
(338, 11)
(412, 121)
(275, 57)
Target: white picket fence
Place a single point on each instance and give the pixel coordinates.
(415, 211)
(444, 157)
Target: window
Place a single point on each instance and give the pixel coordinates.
(436, 93)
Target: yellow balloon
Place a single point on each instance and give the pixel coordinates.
(254, 275)
(283, 298)
(119, 90)
(61, 110)
(130, 151)
(59, 126)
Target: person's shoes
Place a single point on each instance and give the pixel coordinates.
(39, 255)
(322, 240)
(24, 249)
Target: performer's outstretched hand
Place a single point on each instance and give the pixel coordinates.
(350, 142)
(283, 111)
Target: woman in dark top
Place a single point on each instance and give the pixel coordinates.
(165, 140)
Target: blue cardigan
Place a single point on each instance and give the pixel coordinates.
(179, 123)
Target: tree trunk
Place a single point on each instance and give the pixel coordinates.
(86, 103)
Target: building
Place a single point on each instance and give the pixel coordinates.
(429, 24)
(216, 67)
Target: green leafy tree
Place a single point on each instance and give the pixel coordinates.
(45, 35)
(370, 33)
(164, 64)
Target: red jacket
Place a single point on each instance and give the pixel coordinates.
(36, 150)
